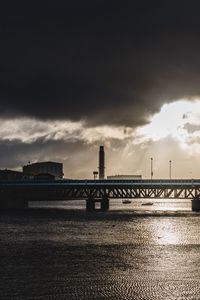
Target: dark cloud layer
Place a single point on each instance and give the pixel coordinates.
(108, 62)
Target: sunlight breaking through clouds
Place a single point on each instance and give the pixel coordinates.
(172, 134)
(179, 120)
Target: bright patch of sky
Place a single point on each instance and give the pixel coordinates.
(179, 120)
(172, 134)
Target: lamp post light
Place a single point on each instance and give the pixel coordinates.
(95, 173)
(170, 169)
(151, 168)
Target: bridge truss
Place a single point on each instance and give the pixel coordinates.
(110, 189)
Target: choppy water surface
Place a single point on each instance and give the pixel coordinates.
(130, 252)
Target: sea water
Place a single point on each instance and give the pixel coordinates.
(133, 251)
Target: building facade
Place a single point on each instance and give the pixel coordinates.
(10, 175)
(125, 177)
(53, 168)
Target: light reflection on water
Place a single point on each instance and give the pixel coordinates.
(116, 204)
(131, 252)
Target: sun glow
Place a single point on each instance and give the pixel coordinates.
(179, 120)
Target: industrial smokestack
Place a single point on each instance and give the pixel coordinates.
(101, 162)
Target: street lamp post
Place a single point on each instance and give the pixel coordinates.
(170, 169)
(95, 173)
(151, 168)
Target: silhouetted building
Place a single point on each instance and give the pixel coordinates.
(10, 175)
(124, 177)
(40, 168)
(101, 162)
(44, 176)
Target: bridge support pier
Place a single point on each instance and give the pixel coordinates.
(90, 204)
(196, 204)
(13, 202)
(104, 204)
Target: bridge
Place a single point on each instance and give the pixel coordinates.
(17, 194)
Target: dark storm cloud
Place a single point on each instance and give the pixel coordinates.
(108, 62)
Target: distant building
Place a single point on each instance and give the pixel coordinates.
(44, 176)
(52, 168)
(10, 175)
(128, 177)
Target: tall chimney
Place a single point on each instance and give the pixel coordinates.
(101, 162)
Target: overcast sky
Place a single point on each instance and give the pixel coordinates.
(78, 74)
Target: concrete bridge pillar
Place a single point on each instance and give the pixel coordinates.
(196, 204)
(12, 201)
(104, 204)
(90, 205)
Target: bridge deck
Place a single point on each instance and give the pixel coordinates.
(97, 189)
(103, 183)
